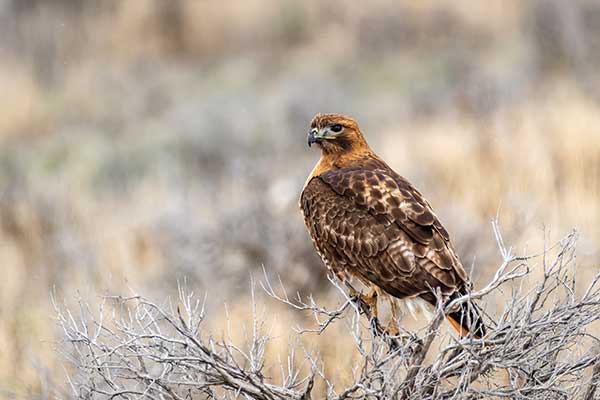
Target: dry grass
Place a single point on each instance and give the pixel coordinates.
(143, 142)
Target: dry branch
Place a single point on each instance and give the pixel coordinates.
(539, 345)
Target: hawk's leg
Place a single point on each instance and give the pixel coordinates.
(369, 300)
(392, 328)
(367, 304)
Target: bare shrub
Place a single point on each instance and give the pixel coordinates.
(538, 345)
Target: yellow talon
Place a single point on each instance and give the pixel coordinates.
(370, 299)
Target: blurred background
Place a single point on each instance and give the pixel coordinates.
(145, 142)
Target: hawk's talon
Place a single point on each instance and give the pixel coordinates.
(374, 324)
(367, 303)
(353, 294)
(392, 328)
(371, 300)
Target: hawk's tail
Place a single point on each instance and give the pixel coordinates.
(467, 318)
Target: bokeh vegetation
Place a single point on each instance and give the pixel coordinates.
(145, 142)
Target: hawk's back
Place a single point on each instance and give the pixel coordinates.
(367, 221)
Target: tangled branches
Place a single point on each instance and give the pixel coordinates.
(540, 345)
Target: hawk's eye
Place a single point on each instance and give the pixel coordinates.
(336, 128)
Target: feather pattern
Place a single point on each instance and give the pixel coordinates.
(367, 221)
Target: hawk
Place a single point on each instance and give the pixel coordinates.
(367, 221)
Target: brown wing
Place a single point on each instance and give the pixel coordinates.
(374, 224)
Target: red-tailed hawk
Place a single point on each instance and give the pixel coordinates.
(367, 221)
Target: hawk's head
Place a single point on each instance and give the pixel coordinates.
(335, 133)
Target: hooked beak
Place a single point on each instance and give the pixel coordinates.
(316, 136)
(312, 137)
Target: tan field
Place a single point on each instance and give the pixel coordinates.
(144, 143)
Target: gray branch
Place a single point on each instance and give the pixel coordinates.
(538, 345)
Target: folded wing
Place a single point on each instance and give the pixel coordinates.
(376, 225)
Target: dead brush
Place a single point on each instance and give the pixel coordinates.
(538, 346)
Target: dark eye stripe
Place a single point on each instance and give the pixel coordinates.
(336, 128)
